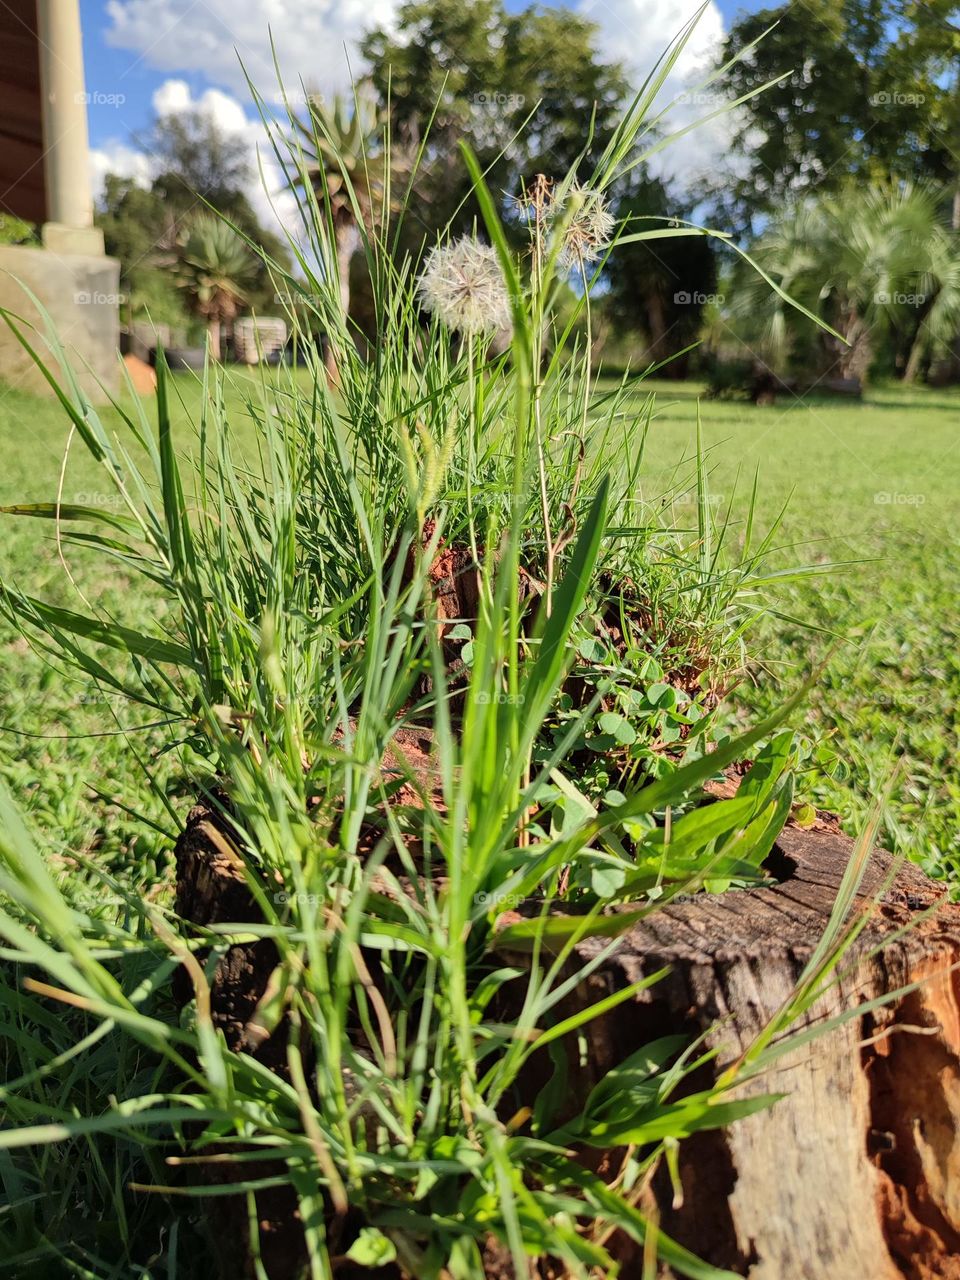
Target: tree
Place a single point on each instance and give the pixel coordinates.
(659, 288)
(216, 268)
(871, 262)
(869, 88)
(345, 162)
(202, 165)
(932, 327)
(146, 227)
(932, 41)
(472, 70)
(141, 231)
(196, 157)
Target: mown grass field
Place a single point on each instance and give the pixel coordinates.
(872, 484)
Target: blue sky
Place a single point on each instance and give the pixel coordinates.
(135, 47)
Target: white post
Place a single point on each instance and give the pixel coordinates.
(69, 228)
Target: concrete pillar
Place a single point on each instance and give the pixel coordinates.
(77, 285)
(69, 229)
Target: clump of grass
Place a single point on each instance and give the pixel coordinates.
(425, 926)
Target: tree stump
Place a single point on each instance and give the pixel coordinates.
(856, 1172)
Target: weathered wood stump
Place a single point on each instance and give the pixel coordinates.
(856, 1172)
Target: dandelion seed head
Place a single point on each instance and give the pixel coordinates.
(585, 224)
(463, 286)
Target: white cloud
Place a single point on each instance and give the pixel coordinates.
(275, 205)
(119, 158)
(636, 32)
(174, 96)
(212, 38)
(315, 38)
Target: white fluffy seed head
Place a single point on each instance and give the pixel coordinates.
(463, 286)
(585, 224)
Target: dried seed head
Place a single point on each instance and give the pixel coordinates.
(463, 286)
(585, 224)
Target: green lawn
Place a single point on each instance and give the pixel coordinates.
(60, 741)
(873, 483)
(868, 482)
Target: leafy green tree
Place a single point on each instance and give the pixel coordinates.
(141, 230)
(204, 166)
(660, 288)
(868, 88)
(474, 70)
(196, 157)
(931, 41)
(146, 227)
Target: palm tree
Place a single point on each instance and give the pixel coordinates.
(342, 156)
(936, 321)
(216, 266)
(866, 261)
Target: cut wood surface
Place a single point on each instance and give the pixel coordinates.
(856, 1171)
